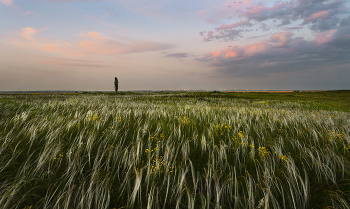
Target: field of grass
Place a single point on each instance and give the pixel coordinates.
(326, 100)
(174, 150)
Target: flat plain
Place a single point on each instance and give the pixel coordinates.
(175, 150)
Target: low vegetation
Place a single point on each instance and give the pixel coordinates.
(172, 150)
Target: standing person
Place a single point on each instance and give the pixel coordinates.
(116, 84)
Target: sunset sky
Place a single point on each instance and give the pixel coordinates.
(167, 44)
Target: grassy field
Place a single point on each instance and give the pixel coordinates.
(326, 100)
(175, 150)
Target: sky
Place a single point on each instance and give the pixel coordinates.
(81, 45)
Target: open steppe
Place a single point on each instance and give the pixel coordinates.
(175, 150)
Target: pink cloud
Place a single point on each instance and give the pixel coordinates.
(279, 44)
(254, 49)
(241, 51)
(63, 47)
(95, 35)
(256, 10)
(277, 40)
(92, 43)
(215, 53)
(260, 12)
(319, 14)
(232, 54)
(316, 16)
(325, 37)
(101, 45)
(313, 12)
(283, 51)
(28, 32)
(234, 25)
(6, 2)
(281, 39)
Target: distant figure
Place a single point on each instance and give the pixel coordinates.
(116, 84)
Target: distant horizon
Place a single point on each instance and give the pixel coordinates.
(174, 90)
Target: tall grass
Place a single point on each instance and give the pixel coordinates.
(170, 151)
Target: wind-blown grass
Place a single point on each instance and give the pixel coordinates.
(171, 151)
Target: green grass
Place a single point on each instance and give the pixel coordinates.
(325, 100)
(175, 150)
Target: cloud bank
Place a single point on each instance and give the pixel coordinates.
(284, 51)
(317, 15)
(91, 43)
